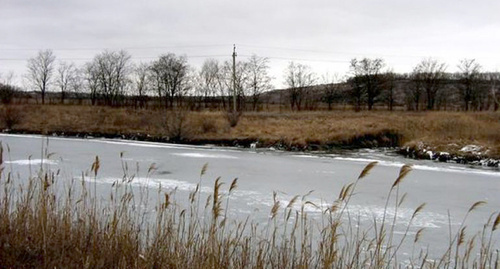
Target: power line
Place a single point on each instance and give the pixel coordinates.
(336, 52)
(308, 60)
(193, 56)
(116, 48)
(132, 57)
(205, 46)
(279, 48)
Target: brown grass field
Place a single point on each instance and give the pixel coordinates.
(442, 131)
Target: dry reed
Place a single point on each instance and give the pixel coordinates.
(42, 226)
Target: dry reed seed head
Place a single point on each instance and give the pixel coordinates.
(292, 201)
(476, 205)
(234, 184)
(403, 172)
(203, 169)
(335, 206)
(471, 244)
(367, 169)
(207, 203)
(345, 192)
(192, 195)
(461, 237)
(222, 223)
(216, 206)
(274, 209)
(312, 204)
(341, 194)
(96, 165)
(167, 200)
(496, 223)
(418, 235)
(307, 194)
(419, 208)
(46, 183)
(152, 167)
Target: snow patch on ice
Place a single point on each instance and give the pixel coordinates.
(167, 184)
(32, 162)
(205, 155)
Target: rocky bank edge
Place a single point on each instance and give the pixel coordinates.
(470, 154)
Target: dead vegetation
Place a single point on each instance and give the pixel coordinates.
(46, 224)
(445, 131)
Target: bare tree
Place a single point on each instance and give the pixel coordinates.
(469, 77)
(210, 81)
(7, 93)
(494, 89)
(415, 90)
(8, 78)
(112, 70)
(366, 80)
(297, 78)
(170, 74)
(389, 89)
(430, 74)
(40, 71)
(7, 90)
(241, 78)
(91, 78)
(259, 80)
(332, 89)
(142, 83)
(67, 78)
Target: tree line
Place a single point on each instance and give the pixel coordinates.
(111, 78)
(371, 84)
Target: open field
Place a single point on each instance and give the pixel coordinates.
(441, 131)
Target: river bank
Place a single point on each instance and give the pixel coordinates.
(440, 136)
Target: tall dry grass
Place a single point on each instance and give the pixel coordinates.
(444, 131)
(45, 224)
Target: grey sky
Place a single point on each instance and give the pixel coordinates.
(322, 34)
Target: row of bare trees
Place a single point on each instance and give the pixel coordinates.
(427, 87)
(469, 88)
(111, 77)
(371, 83)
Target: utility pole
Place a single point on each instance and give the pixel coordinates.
(234, 79)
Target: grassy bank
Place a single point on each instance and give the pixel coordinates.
(436, 131)
(46, 224)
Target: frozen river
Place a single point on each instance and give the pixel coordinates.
(444, 187)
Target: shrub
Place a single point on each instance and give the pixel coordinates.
(176, 125)
(11, 116)
(233, 118)
(208, 125)
(7, 93)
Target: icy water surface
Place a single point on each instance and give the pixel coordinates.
(448, 189)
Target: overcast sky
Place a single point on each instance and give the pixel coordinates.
(322, 34)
